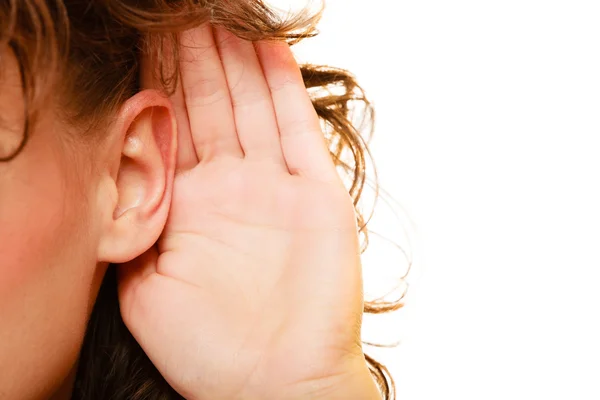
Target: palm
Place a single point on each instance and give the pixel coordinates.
(255, 264)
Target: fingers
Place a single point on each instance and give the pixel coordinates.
(251, 101)
(302, 141)
(186, 156)
(206, 94)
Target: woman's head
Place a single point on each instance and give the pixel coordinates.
(86, 168)
(83, 183)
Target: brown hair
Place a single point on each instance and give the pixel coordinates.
(99, 43)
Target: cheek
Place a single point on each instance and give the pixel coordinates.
(34, 221)
(47, 265)
(47, 251)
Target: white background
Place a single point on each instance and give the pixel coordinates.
(488, 135)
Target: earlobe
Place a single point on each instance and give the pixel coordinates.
(146, 143)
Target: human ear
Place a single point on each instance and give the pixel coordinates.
(138, 184)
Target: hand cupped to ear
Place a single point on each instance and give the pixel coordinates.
(254, 290)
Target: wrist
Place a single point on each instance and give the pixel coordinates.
(355, 384)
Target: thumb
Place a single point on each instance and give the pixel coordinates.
(160, 312)
(132, 278)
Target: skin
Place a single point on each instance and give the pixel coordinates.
(62, 222)
(256, 275)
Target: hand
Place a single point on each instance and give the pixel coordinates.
(254, 290)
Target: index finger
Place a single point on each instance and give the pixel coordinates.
(207, 96)
(186, 155)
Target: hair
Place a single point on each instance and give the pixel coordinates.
(99, 44)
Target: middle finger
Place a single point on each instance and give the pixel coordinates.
(251, 100)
